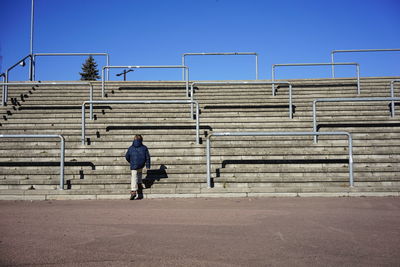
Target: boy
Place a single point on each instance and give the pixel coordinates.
(138, 156)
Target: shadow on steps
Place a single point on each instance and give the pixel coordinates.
(357, 125)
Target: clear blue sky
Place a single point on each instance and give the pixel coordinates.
(157, 32)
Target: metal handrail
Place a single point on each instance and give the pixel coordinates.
(349, 99)
(67, 54)
(142, 102)
(222, 54)
(392, 95)
(5, 92)
(319, 64)
(4, 88)
(356, 51)
(6, 77)
(208, 146)
(185, 69)
(62, 148)
(273, 93)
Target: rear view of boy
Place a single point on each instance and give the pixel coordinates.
(138, 156)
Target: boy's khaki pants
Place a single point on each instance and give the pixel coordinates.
(136, 179)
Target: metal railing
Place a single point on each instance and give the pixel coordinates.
(19, 62)
(142, 102)
(62, 148)
(364, 99)
(5, 92)
(3, 88)
(33, 61)
(392, 95)
(238, 83)
(317, 64)
(185, 69)
(222, 54)
(208, 146)
(356, 51)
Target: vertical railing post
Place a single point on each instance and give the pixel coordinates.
(183, 64)
(290, 102)
(256, 66)
(62, 158)
(83, 124)
(91, 99)
(3, 89)
(358, 78)
(333, 66)
(108, 64)
(102, 82)
(6, 90)
(191, 99)
(208, 159)
(315, 120)
(186, 69)
(33, 59)
(273, 80)
(197, 123)
(392, 95)
(350, 143)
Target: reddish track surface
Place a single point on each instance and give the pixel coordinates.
(202, 232)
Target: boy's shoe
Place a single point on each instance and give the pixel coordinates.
(133, 195)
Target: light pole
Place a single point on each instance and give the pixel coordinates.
(124, 73)
(32, 65)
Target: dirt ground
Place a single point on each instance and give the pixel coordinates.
(202, 232)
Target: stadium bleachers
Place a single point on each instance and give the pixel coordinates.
(241, 166)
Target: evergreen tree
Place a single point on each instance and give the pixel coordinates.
(89, 70)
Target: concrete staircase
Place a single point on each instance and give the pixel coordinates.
(242, 166)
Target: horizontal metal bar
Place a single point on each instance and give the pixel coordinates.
(356, 51)
(142, 102)
(315, 64)
(47, 83)
(392, 95)
(6, 84)
(139, 102)
(185, 70)
(315, 133)
(30, 136)
(70, 54)
(247, 82)
(358, 99)
(221, 54)
(365, 50)
(277, 133)
(144, 67)
(349, 99)
(62, 148)
(244, 82)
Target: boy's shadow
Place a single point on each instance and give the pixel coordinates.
(151, 176)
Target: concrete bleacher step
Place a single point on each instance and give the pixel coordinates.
(169, 133)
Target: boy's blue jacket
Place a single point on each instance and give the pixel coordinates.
(138, 155)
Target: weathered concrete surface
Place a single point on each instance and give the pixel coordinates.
(202, 232)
